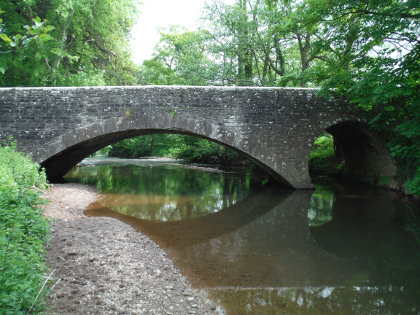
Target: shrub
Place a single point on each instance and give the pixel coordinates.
(23, 233)
(322, 159)
(323, 147)
(189, 148)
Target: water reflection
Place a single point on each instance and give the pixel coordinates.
(165, 192)
(321, 206)
(177, 234)
(388, 300)
(335, 251)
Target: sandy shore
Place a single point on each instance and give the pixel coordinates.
(103, 266)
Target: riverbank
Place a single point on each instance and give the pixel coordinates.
(153, 161)
(103, 266)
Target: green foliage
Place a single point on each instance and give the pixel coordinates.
(181, 58)
(371, 52)
(412, 185)
(148, 145)
(189, 148)
(23, 232)
(204, 151)
(323, 147)
(65, 42)
(18, 171)
(259, 42)
(247, 43)
(366, 51)
(322, 159)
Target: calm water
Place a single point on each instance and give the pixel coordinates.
(333, 251)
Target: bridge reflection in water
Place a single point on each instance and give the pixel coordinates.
(266, 254)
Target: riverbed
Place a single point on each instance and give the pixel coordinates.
(102, 266)
(251, 250)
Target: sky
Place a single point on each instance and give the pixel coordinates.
(158, 14)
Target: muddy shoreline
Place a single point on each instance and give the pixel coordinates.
(103, 266)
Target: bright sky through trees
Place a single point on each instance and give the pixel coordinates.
(160, 14)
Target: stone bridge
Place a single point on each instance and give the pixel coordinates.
(275, 127)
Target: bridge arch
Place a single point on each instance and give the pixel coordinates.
(273, 126)
(365, 156)
(68, 149)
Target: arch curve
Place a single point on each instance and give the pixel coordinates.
(274, 126)
(365, 156)
(65, 151)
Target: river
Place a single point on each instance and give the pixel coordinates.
(336, 250)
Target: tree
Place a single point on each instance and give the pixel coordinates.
(366, 51)
(182, 58)
(371, 56)
(252, 42)
(66, 42)
(261, 42)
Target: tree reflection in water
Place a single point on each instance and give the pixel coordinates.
(164, 193)
(270, 252)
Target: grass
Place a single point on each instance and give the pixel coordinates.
(23, 234)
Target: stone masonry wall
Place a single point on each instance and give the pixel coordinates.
(274, 126)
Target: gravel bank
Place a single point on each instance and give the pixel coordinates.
(103, 266)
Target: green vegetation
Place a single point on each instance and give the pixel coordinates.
(322, 159)
(366, 51)
(372, 54)
(23, 232)
(49, 43)
(189, 148)
(65, 42)
(181, 58)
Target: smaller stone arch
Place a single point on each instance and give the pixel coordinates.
(365, 156)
